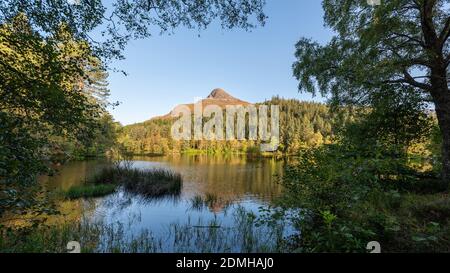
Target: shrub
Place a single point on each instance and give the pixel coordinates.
(351, 197)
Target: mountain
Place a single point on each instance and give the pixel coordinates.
(217, 97)
(220, 98)
(220, 94)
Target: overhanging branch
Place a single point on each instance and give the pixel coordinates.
(408, 79)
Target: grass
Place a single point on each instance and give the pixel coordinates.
(90, 190)
(150, 183)
(199, 202)
(189, 237)
(155, 183)
(424, 223)
(407, 222)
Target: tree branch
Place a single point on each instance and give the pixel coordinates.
(408, 79)
(426, 18)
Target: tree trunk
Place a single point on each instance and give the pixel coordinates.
(443, 115)
(441, 97)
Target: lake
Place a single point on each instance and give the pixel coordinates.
(237, 183)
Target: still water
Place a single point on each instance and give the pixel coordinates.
(237, 181)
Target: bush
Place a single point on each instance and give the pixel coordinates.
(349, 198)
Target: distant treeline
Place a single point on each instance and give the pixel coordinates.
(302, 124)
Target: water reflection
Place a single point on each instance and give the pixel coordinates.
(238, 180)
(73, 173)
(229, 177)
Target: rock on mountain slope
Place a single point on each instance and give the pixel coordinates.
(221, 98)
(217, 97)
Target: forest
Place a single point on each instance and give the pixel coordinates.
(302, 125)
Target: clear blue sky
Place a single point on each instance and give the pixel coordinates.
(167, 70)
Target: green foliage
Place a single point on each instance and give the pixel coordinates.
(102, 141)
(302, 124)
(328, 218)
(340, 237)
(41, 86)
(353, 192)
(305, 124)
(396, 52)
(396, 118)
(150, 137)
(329, 179)
(125, 20)
(373, 47)
(147, 182)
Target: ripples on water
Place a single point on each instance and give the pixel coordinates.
(239, 184)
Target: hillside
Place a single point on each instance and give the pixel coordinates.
(217, 97)
(302, 124)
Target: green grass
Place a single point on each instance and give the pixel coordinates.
(423, 221)
(90, 190)
(150, 183)
(146, 182)
(153, 183)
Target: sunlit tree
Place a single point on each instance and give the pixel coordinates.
(398, 44)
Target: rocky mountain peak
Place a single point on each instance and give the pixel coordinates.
(220, 94)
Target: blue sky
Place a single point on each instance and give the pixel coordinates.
(167, 70)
